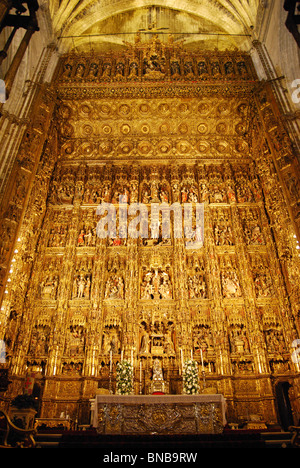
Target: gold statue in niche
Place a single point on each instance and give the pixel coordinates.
(156, 284)
(157, 338)
(229, 278)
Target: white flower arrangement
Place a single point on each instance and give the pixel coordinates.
(124, 378)
(190, 377)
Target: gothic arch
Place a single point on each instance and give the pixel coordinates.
(70, 19)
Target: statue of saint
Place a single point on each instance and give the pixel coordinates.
(145, 341)
(157, 370)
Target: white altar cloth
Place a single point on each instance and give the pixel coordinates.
(166, 414)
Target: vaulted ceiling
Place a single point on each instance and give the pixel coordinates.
(104, 24)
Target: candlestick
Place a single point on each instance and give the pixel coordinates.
(202, 359)
(221, 363)
(258, 362)
(191, 354)
(203, 369)
(140, 377)
(110, 371)
(181, 356)
(122, 355)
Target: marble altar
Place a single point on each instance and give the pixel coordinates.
(158, 414)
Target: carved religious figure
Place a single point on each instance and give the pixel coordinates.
(157, 370)
(202, 339)
(144, 341)
(197, 285)
(111, 340)
(158, 382)
(114, 288)
(230, 283)
(48, 287)
(274, 339)
(263, 284)
(75, 340)
(253, 235)
(39, 342)
(169, 347)
(238, 341)
(81, 286)
(156, 284)
(157, 338)
(223, 234)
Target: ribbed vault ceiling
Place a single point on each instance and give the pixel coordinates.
(105, 24)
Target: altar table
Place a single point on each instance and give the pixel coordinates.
(158, 414)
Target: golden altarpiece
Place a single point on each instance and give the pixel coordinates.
(155, 123)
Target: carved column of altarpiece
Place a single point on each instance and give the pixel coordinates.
(153, 124)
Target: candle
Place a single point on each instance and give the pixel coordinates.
(93, 362)
(131, 356)
(258, 361)
(191, 354)
(140, 371)
(202, 359)
(181, 355)
(110, 361)
(122, 355)
(221, 363)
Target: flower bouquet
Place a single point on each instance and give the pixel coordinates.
(190, 377)
(124, 378)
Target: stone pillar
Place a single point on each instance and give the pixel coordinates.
(12, 71)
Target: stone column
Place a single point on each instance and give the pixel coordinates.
(12, 71)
